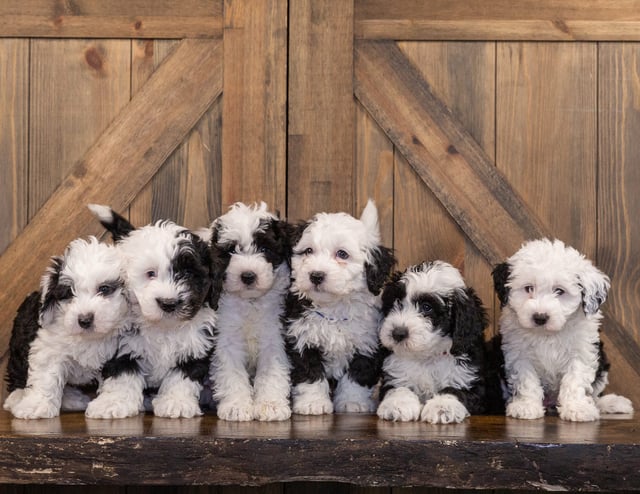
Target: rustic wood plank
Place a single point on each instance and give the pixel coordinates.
(113, 19)
(117, 166)
(321, 107)
(254, 105)
(481, 453)
(543, 20)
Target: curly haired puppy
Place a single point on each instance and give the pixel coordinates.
(333, 311)
(550, 323)
(64, 334)
(433, 327)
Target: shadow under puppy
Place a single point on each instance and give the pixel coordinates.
(433, 327)
(64, 334)
(168, 270)
(250, 368)
(332, 314)
(550, 326)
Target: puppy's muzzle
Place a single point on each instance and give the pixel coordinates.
(316, 277)
(400, 333)
(168, 305)
(85, 321)
(248, 278)
(540, 319)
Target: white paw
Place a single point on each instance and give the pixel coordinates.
(110, 406)
(270, 411)
(236, 412)
(74, 400)
(350, 406)
(525, 409)
(444, 409)
(13, 399)
(312, 406)
(174, 407)
(613, 403)
(582, 410)
(35, 406)
(401, 405)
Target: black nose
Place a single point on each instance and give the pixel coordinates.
(400, 333)
(316, 277)
(248, 277)
(167, 304)
(85, 321)
(540, 319)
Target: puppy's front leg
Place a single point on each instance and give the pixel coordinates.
(310, 394)
(400, 404)
(42, 395)
(355, 388)
(178, 395)
(527, 395)
(272, 382)
(231, 386)
(575, 400)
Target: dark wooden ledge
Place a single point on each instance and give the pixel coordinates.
(484, 452)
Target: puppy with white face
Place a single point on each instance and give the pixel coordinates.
(250, 368)
(550, 322)
(433, 328)
(168, 272)
(64, 334)
(338, 268)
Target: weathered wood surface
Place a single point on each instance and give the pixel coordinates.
(112, 19)
(482, 452)
(563, 20)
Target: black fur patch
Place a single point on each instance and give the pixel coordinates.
(501, 275)
(468, 321)
(378, 271)
(394, 291)
(195, 369)
(25, 329)
(119, 227)
(273, 242)
(306, 367)
(123, 364)
(192, 267)
(53, 292)
(366, 371)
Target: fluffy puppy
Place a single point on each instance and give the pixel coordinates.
(333, 310)
(550, 322)
(64, 334)
(250, 368)
(433, 327)
(168, 273)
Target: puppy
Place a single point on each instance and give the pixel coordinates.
(168, 272)
(550, 322)
(433, 326)
(250, 368)
(65, 333)
(332, 312)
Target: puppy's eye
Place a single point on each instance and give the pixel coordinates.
(528, 288)
(151, 274)
(307, 252)
(342, 254)
(558, 291)
(426, 308)
(106, 289)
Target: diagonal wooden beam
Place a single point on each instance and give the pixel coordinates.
(451, 163)
(116, 167)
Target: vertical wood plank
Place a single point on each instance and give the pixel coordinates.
(321, 107)
(254, 102)
(618, 201)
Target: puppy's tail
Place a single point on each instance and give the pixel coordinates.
(115, 224)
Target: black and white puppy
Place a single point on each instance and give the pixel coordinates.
(168, 273)
(550, 323)
(433, 327)
(64, 334)
(250, 368)
(338, 268)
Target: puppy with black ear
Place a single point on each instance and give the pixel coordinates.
(550, 325)
(433, 328)
(64, 334)
(332, 314)
(168, 272)
(250, 369)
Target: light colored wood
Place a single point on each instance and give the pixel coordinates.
(254, 103)
(542, 20)
(117, 166)
(321, 107)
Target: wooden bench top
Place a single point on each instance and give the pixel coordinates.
(483, 452)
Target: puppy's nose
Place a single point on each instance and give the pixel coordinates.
(85, 321)
(316, 277)
(400, 333)
(248, 277)
(168, 304)
(540, 319)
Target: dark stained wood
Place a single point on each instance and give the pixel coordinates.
(482, 452)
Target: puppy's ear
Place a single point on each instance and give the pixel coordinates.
(295, 231)
(595, 287)
(378, 267)
(219, 261)
(501, 275)
(369, 217)
(394, 290)
(115, 224)
(51, 291)
(468, 320)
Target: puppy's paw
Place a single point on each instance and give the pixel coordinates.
(580, 410)
(317, 405)
(13, 399)
(525, 409)
(613, 403)
(444, 409)
(401, 405)
(269, 411)
(234, 411)
(35, 406)
(109, 406)
(174, 407)
(367, 406)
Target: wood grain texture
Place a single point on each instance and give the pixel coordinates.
(112, 19)
(254, 134)
(321, 108)
(117, 166)
(563, 20)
